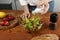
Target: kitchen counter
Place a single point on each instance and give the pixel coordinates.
(18, 33)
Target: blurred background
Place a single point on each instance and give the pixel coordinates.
(15, 5)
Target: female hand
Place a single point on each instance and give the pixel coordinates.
(25, 15)
(45, 3)
(46, 8)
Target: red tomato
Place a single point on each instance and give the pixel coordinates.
(11, 17)
(6, 23)
(40, 22)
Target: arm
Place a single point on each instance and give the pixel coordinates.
(24, 5)
(26, 13)
(25, 8)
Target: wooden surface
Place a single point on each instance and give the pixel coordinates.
(18, 33)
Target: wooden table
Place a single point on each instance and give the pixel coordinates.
(18, 33)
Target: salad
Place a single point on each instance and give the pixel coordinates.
(33, 23)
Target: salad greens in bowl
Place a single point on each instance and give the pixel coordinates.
(32, 24)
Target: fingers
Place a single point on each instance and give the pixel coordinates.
(24, 16)
(27, 15)
(45, 9)
(46, 5)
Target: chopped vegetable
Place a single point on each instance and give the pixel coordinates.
(32, 23)
(32, 18)
(39, 26)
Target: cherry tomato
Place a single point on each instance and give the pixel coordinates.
(40, 22)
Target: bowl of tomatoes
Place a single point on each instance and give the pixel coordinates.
(9, 21)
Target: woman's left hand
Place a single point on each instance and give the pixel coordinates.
(46, 4)
(46, 8)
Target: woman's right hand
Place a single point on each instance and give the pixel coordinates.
(25, 15)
